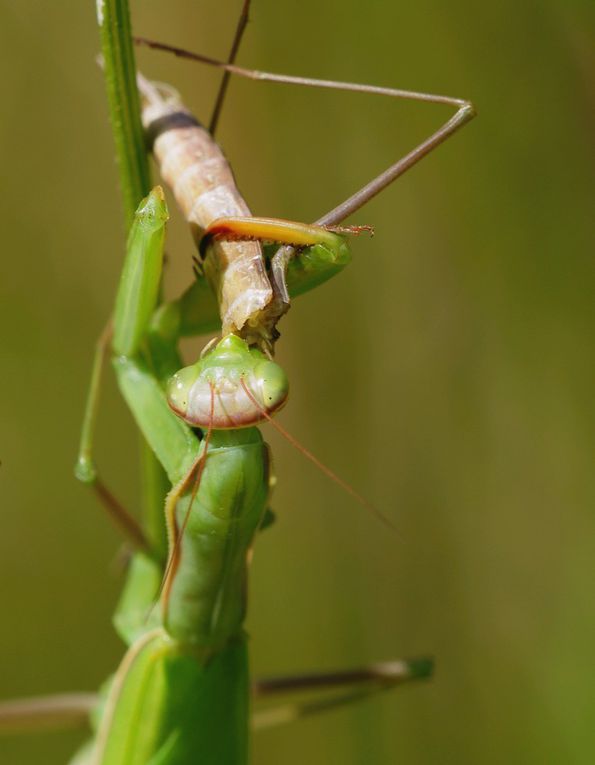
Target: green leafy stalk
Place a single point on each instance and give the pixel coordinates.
(119, 66)
(120, 77)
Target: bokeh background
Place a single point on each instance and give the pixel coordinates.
(448, 374)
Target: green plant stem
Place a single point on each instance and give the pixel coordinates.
(135, 182)
(120, 79)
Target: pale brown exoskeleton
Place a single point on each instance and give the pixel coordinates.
(195, 168)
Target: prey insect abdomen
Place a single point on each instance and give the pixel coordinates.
(198, 173)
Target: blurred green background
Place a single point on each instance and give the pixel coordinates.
(448, 374)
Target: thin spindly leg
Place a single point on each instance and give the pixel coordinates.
(465, 111)
(382, 673)
(235, 46)
(40, 713)
(282, 714)
(362, 683)
(85, 469)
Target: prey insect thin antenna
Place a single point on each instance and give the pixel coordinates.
(320, 465)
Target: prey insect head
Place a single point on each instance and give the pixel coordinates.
(213, 391)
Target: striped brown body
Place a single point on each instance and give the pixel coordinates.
(195, 168)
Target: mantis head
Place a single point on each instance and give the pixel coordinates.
(230, 386)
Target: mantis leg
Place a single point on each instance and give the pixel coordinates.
(283, 714)
(276, 230)
(383, 673)
(42, 713)
(144, 356)
(86, 470)
(197, 310)
(361, 684)
(137, 297)
(174, 443)
(322, 252)
(143, 353)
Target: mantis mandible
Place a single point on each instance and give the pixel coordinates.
(182, 688)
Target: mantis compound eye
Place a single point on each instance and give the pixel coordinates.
(231, 386)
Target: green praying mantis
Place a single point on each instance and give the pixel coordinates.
(182, 691)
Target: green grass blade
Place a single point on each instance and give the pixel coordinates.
(119, 65)
(120, 77)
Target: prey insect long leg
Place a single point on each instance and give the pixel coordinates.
(465, 111)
